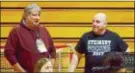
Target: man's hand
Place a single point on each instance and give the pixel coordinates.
(74, 62)
(18, 68)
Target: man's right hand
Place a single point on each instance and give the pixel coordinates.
(74, 62)
(18, 68)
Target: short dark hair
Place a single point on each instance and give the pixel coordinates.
(113, 59)
(112, 62)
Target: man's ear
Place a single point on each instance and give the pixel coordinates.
(24, 15)
(105, 24)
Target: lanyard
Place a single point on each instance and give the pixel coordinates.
(37, 37)
(37, 34)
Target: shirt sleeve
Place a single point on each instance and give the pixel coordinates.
(10, 47)
(52, 50)
(122, 46)
(81, 46)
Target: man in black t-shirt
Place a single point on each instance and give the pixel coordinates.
(95, 43)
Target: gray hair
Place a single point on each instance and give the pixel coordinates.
(28, 9)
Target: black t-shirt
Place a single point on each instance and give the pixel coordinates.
(94, 47)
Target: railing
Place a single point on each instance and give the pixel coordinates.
(5, 66)
(128, 58)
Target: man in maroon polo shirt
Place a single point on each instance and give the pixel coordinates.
(29, 42)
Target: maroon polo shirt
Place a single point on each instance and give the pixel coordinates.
(21, 46)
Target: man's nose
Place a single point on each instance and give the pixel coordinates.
(94, 23)
(37, 17)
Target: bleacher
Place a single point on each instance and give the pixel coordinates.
(68, 21)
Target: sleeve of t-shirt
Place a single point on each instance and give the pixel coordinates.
(80, 47)
(122, 44)
(10, 48)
